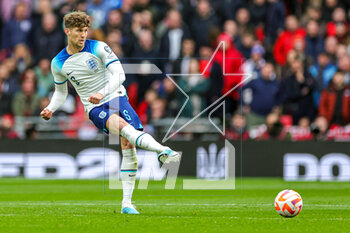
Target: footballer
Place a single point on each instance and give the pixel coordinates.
(97, 75)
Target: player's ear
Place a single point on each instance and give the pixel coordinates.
(67, 31)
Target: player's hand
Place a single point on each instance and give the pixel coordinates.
(46, 114)
(96, 98)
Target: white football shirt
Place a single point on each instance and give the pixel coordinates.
(87, 71)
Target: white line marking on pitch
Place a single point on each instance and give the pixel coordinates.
(112, 203)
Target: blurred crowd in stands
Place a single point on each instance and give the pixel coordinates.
(297, 53)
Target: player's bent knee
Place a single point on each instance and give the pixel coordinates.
(115, 124)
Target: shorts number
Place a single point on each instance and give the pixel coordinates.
(126, 114)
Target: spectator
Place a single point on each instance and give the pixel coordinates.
(205, 63)
(231, 67)
(313, 13)
(298, 93)
(170, 46)
(300, 132)
(114, 21)
(132, 37)
(7, 124)
(144, 107)
(43, 7)
(118, 50)
(26, 101)
(170, 94)
(9, 84)
(230, 28)
(44, 77)
(10, 64)
(143, 54)
(127, 12)
(342, 51)
(238, 128)
(299, 49)
(319, 128)
(331, 45)
(5, 100)
(7, 8)
(213, 71)
(81, 5)
(328, 8)
(258, 12)
(314, 42)
(181, 66)
(18, 29)
(243, 21)
(338, 27)
(256, 61)
(264, 96)
(203, 23)
(23, 58)
(157, 110)
(246, 44)
(147, 20)
(229, 8)
(48, 39)
(335, 101)
(344, 67)
(274, 128)
(286, 40)
(276, 13)
(322, 72)
(114, 37)
(195, 87)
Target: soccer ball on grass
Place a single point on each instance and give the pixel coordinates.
(288, 203)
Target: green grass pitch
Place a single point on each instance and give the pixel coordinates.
(87, 206)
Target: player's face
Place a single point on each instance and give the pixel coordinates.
(77, 36)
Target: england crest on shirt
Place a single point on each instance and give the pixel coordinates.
(92, 64)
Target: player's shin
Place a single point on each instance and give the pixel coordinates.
(141, 139)
(128, 174)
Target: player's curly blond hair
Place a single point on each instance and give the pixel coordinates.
(76, 19)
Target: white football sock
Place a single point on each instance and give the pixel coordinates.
(128, 174)
(141, 139)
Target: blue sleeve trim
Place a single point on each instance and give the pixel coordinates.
(59, 83)
(129, 170)
(111, 62)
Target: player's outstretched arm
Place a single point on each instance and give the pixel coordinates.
(58, 98)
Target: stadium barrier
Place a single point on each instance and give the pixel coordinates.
(66, 159)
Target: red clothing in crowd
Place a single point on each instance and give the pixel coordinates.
(328, 101)
(203, 66)
(233, 135)
(233, 62)
(285, 43)
(333, 30)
